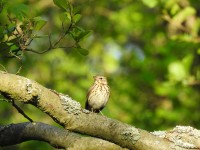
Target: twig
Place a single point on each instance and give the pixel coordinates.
(50, 44)
(18, 71)
(21, 111)
(34, 51)
(3, 68)
(62, 36)
(67, 31)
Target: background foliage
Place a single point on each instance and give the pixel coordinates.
(149, 50)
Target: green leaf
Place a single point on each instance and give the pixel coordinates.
(76, 18)
(184, 14)
(20, 10)
(39, 23)
(83, 34)
(78, 33)
(63, 4)
(150, 3)
(65, 17)
(82, 51)
(14, 48)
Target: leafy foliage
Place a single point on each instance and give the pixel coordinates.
(20, 29)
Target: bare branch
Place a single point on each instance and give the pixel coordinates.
(18, 133)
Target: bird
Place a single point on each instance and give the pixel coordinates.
(98, 94)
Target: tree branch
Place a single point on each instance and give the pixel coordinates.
(70, 115)
(17, 133)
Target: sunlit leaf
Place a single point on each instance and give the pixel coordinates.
(183, 14)
(177, 71)
(76, 18)
(65, 17)
(150, 3)
(63, 4)
(39, 22)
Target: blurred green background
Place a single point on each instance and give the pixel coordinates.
(149, 50)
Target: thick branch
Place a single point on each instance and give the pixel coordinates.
(17, 133)
(69, 114)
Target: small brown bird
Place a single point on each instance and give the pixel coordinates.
(98, 94)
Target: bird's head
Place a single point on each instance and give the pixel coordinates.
(100, 79)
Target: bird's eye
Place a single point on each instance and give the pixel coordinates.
(101, 78)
